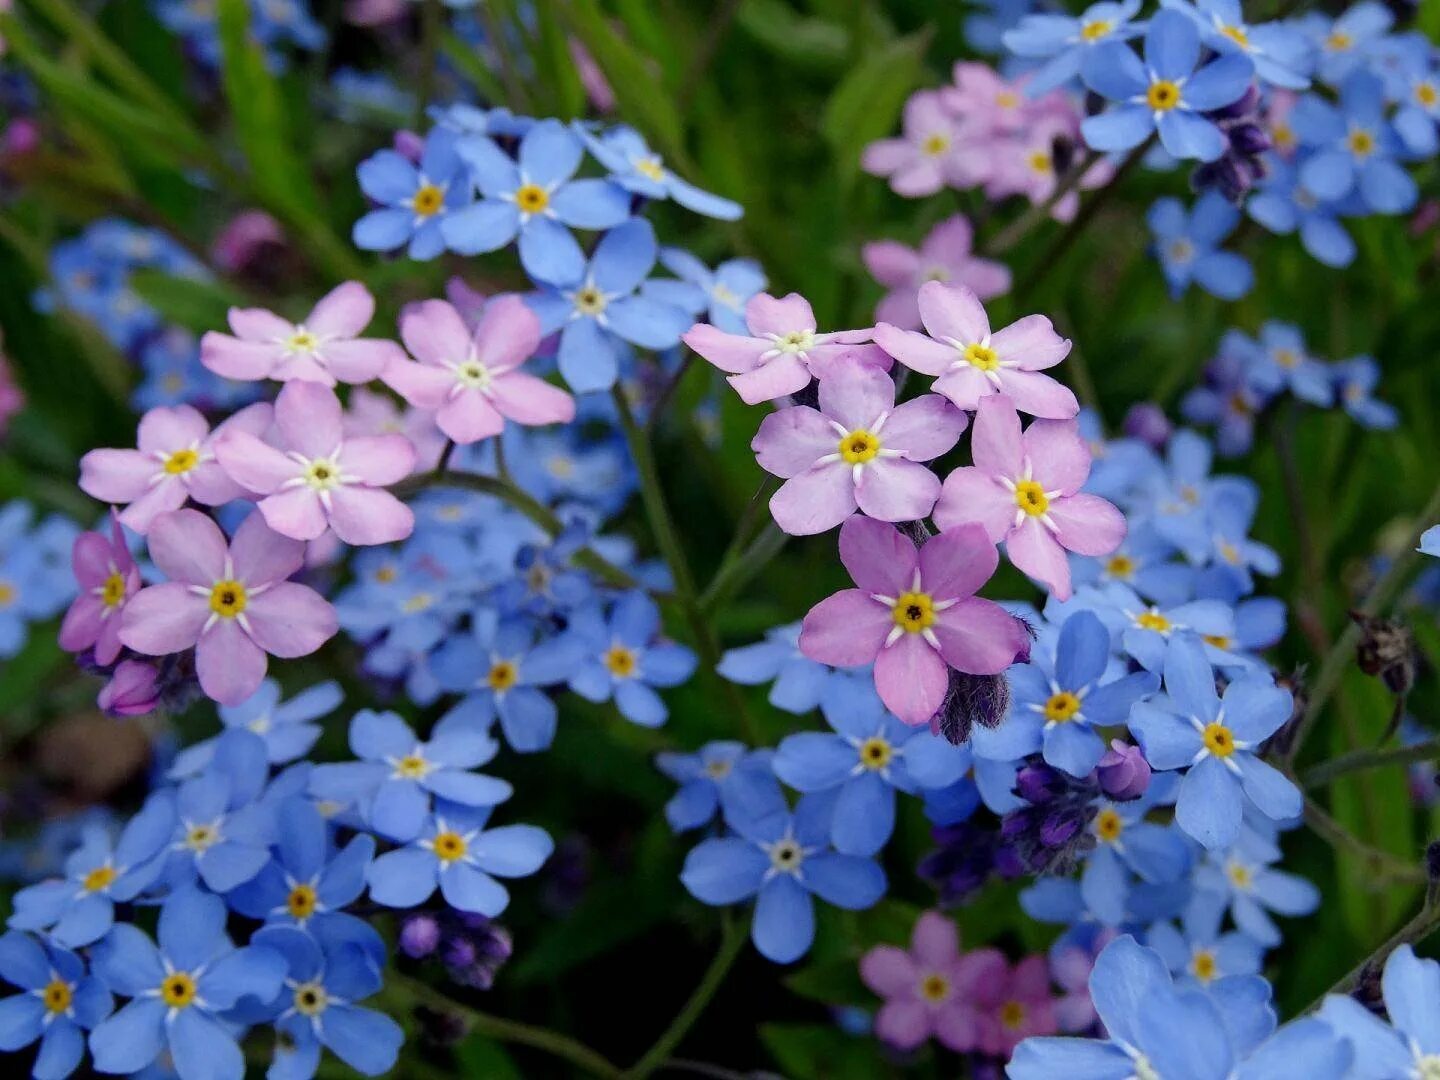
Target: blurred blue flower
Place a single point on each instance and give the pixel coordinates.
(413, 201)
(1355, 382)
(1063, 41)
(286, 728)
(638, 169)
(623, 658)
(1354, 148)
(799, 682)
(1188, 246)
(721, 293)
(711, 779)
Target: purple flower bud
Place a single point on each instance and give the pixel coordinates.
(1038, 783)
(419, 936)
(133, 690)
(1249, 139)
(1147, 422)
(409, 146)
(1123, 771)
(1058, 829)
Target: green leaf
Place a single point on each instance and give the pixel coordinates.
(833, 982)
(195, 305)
(867, 103)
(809, 42)
(479, 1056)
(822, 1051)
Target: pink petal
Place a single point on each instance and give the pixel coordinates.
(953, 311)
(421, 385)
(764, 314)
(824, 359)
(309, 419)
(791, 440)
(890, 263)
(734, 353)
(1032, 341)
(915, 350)
(1032, 549)
(957, 1026)
(81, 626)
(231, 358)
(303, 367)
(508, 334)
(257, 324)
(378, 460)
(91, 557)
(360, 360)
(972, 496)
(883, 157)
(1059, 457)
(925, 113)
(815, 501)
(900, 308)
(903, 1024)
(965, 386)
(211, 485)
(847, 629)
(890, 971)
(893, 489)
(530, 400)
(260, 555)
(469, 417)
(230, 665)
(1038, 394)
(924, 427)
(1030, 979)
(957, 562)
(255, 419)
(979, 637)
(116, 476)
(435, 333)
(254, 465)
(856, 394)
(995, 442)
(776, 378)
(290, 620)
(107, 641)
(911, 679)
(297, 513)
(188, 547)
(935, 940)
(988, 279)
(169, 494)
(163, 619)
(361, 515)
(880, 559)
(1088, 524)
(163, 430)
(949, 242)
(920, 176)
(342, 312)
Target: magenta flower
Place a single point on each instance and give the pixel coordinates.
(927, 156)
(1013, 1002)
(857, 450)
(175, 461)
(944, 255)
(915, 614)
(319, 478)
(1025, 490)
(107, 577)
(783, 350)
(325, 348)
(232, 603)
(928, 989)
(474, 380)
(972, 363)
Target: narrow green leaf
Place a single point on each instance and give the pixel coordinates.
(195, 305)
(866, 105)
(814, 43)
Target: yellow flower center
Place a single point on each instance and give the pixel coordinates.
(450, 846)
(302, 341)
(1203, 966)
(428, 200)
(56, 996)
(1163, 95)
(473, 373)
(981, 356)
(1181, 251)
(8, 593)
(1094, 30)
(1061, 707)
(718, 770)
(1012, 1014)
(301, 901)
(1031, 497)
(1229, 552)
(113, 591)
(531, 198)
(1220, 641)
(310, 999)
(935, 988)
(1007, 99)
(1120, 566)
(620, 661)
(914, 612)
(785, 855)
(1153, 620)
(1426, 94)
(99, 879)
(935, 144)
(202, 837)
(178, 990)
(412, 767)
(1282, 135)
(1361, 143)
(875, 753)
(1237, 34)
(1339, 41)
(1239, 875)
(1040, 162)
(859, 447)
(386, 574)
(421, 601)
(1287, 358)
(651, 167)
(1218, 739)
(503, 676)
(589, 301)
(227, 599)
(322, 475)
(181, 461)
(1108, 825)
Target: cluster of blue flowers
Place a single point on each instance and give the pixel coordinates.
(1249, 375)
(35, 578)
(277, 25)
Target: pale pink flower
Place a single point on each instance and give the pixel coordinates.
(944, 255)
(858, 450)
(971, 363)
(1013, 1003)
(232, 603)
(317, 477)
(324, 348)
(474, 381)
(784, 349)
(915, 614)
(371, 412)
(929, 153)
(1025, 490)
(175, 461)
(928, 988)
(107, 577)
(1026, 166)
(984, 101)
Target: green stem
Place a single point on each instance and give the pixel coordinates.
(1425, 922)
(1360, 760)
(732, 938)
(1021, 227)
(512, 1031)
(1386, 866)
(738, 571)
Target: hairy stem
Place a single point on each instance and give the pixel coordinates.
(1425, 923)
(1361, 760)
(1387, 867)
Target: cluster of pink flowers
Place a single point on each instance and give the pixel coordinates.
(914, 612)
(315, 474)
(973, 1001)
